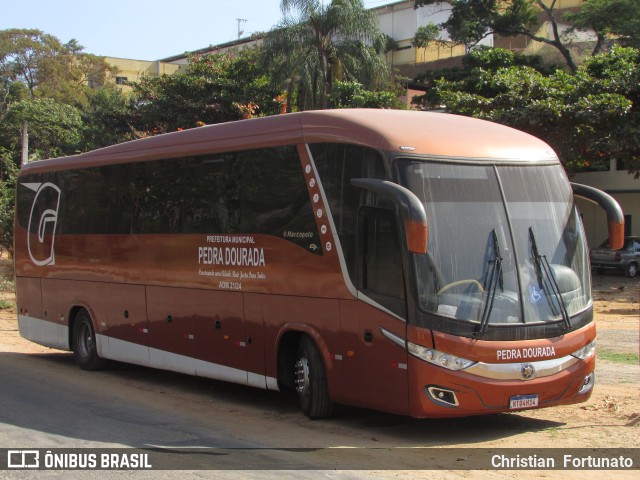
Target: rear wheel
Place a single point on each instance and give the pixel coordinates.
(84, 343)
(632, 270)
(311, 381)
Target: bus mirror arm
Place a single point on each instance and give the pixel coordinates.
(410, 206)
(615, 217)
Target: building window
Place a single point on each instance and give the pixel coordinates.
(121, 80)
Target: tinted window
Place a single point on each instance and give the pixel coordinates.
(380, 272)
(96, 200)
(337, 164)
(256, 191)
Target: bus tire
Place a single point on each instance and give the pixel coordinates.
(311, 381)
(84, 343)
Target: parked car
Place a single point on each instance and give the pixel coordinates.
(626, 259)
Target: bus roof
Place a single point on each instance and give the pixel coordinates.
(426, 133)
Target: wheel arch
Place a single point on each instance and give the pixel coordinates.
(287, 343)
(73, 314)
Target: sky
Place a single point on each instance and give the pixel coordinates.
(144, 29)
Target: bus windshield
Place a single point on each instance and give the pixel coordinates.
(505, 243)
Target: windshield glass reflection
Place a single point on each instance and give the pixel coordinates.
(476, 215)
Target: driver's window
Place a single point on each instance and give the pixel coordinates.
(380, 274)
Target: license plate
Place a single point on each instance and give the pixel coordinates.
(523, 401)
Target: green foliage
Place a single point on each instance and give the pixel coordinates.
(106, 119)
(472, 20)
(425, 35)
(610, 19)
(617, 357)
(71, 77)
(21, 52)
(354, 95)
(55, 129)
(212, 89)
(320, 43)
(483, 59)
(489, 58)
(587, 118)
(8, 173)
(7, 284)
(6, 305)
(41, 65)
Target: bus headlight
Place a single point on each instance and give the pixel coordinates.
(585, 352)
(445, 360)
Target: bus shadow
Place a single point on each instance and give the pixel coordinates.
(282, 405)
(200, 400)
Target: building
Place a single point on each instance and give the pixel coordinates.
(129, 70)
(399, 20)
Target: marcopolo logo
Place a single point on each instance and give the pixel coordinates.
(43, 219)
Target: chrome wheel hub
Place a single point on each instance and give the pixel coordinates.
(302, 376)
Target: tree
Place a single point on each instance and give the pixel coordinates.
(617, 20)
(472, 20)
(478, 60)
(8, 173)
(55, 129)
(40, 64)
(106, 119)
(587, 117)
(71, 77)
(425, 35)
(212, 89)
(21, 52)
(318, 44)
(354, 95)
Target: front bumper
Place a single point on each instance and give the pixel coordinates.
(477, 394)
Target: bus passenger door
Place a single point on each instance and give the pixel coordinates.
(374, 329)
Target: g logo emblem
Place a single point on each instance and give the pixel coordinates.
(41, 233)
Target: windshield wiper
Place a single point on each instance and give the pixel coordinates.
(494, 277)
(543, 268)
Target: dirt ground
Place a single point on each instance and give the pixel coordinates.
(611, 418)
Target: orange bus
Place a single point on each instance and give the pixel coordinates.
(418, 263)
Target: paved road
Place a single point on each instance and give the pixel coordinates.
(47, 402)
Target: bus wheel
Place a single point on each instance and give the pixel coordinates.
(311, 381)
(84, 343)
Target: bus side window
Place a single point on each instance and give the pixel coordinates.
(337, 164)
(380, 274)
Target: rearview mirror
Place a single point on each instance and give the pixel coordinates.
(615, 217)
(410, 206)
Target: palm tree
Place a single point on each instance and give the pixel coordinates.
(317, 43)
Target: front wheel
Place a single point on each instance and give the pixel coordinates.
(84, 343)
(632, 270)
(311, 381)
